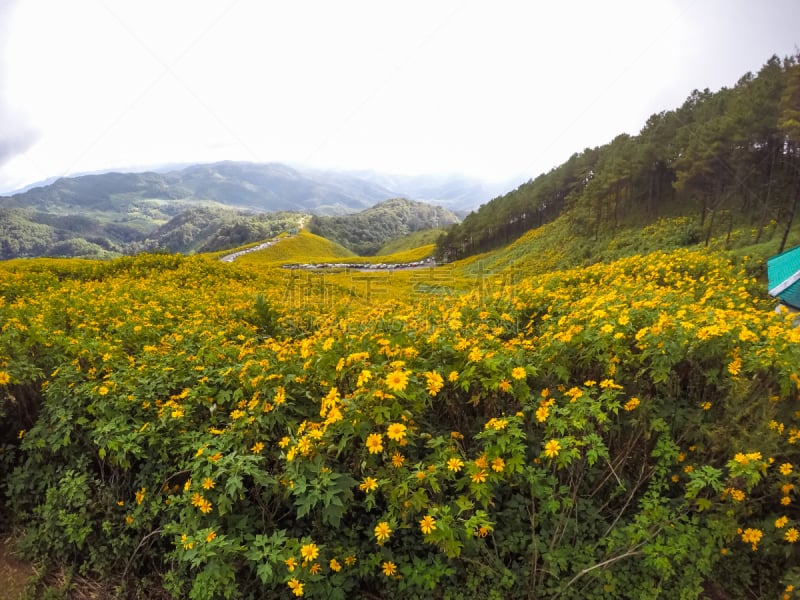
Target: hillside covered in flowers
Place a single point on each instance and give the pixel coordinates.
(178, 427)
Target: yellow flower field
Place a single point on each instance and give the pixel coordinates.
(240, 431)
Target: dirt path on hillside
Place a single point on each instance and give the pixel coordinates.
(14, 573)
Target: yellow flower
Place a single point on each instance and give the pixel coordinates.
(363, 377)
(434, 382)
(706, 405)
(398, 459)
(309, 551)
(786, 501)
(791, 535)
(368, 485)
(257, 448)
(453, 376)
(296, 586)
(455, 464)
(427, 524)
(304, 445)
(315, 569)
(518, 373)
(374, 443)
(631, 404)
(478, 476)
(504, 385)
(574, 393)
(335, 565)
(396, 432)
(753, 536)
(140, 495)
(498, 464)
(103, 390)
(208, 483)
(291, 563)
(737, 495)
(785, 468)
(552, 448)
(496, 424)
(284, 442)
(781, 522)
(609, 384)
(280, 395)
(542, 413)
(382, 531)
(735, 366)
(349, 560)
(397, 381)
(389, 568)
(5, 378)
(211, 535)
(187, 544)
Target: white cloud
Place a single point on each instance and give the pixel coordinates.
(488, 89)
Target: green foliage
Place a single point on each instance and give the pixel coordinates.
(578, 434)
(414, 240)
(366, 232)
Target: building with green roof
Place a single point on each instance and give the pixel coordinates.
(783, 272)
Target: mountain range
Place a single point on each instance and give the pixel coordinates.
(255, 186)
(115, 212)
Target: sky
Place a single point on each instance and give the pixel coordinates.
(500, 90)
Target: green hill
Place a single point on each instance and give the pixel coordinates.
(727, 160)
(305, 247)
(366, 232)
(411, 241)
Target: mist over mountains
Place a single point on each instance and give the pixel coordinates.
(259, 186)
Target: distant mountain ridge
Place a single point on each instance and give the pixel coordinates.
(103, 214)
(255, 186)
(259, 187)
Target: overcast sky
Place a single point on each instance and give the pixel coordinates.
(492, 89)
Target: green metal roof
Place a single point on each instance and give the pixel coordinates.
(783, 272)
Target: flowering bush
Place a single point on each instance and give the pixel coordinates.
(624, 429)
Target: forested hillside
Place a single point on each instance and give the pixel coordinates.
(368, 231)
(729, 158)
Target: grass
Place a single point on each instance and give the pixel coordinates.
(304, 247)
(418, 239)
